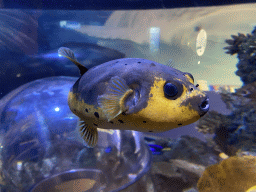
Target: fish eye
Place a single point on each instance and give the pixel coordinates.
(170, 90)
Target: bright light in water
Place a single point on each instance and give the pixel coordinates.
(63, 23)
(19, 165)
(70, 24)
(57, 109)
(50, 55)
(154, 39)
(198, 62)
(201, 41)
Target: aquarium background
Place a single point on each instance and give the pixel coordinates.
(189, 39)
(165, 36)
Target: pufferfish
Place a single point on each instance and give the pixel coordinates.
(133, 94)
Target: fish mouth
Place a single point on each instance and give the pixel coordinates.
(204, 106)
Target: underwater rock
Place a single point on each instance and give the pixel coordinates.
(209, 123)
(176, 170)
(166, 169)
(235, 131)
(187, 168)
(176, 167)
(234, 174)
(176, 175)
(245, 47)
(193, 150)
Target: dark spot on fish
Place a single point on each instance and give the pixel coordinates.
(191, 89)
(197, 85)
(150, 131)
(152, 64)
(75, 110)
(86, 110)
(197, 28)
(144, 122)
(111, 122)
(96, 114)
(179, 124)
(120, 121)
(123, 113)
(117, 61)
(95, 124)
(139, 62)
(125, 64)
(151, 95)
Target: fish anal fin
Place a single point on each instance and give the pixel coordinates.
(112, 102)
(89, 134)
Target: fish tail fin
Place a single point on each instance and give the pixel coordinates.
(66, 52)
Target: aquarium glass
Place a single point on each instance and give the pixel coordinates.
(41, 149)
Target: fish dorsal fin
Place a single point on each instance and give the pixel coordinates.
(112, 102)
(66, 52)
(89, 134)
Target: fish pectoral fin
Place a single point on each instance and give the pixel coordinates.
(112, 102)
(89, 134)
(66, 52)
